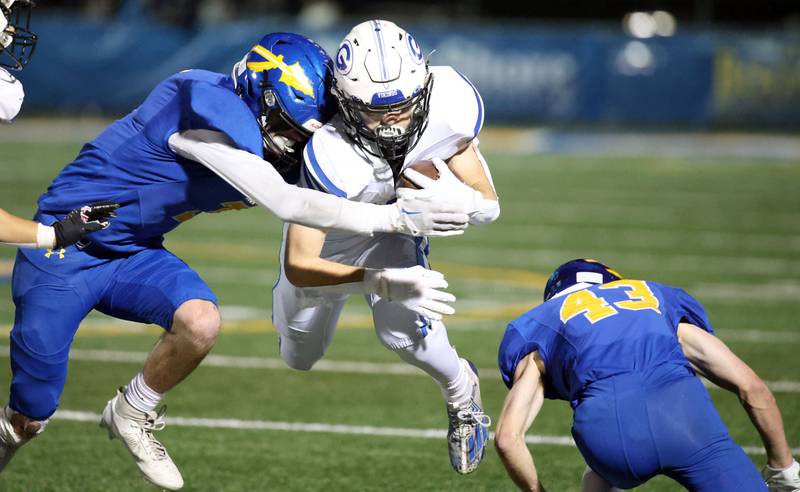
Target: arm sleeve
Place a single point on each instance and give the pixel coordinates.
(259, 181)
(683, 307)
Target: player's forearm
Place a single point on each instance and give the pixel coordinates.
(318, 272)
(518, 462)
(24, 233)
(712, 358)
(16, 230)
(761, 407)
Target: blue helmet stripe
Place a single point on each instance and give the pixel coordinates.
(327, 183)
(376, 30)
(479, 122)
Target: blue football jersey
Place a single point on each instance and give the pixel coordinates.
(131, 163)
(598, 332)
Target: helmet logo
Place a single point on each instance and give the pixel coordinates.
(344, 58)
(413, 49)
(291, 75)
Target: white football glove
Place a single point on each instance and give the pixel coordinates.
(448, 187)
(422, 213)
(786, 480)
(415, 288)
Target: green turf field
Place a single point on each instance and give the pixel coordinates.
(729, 232)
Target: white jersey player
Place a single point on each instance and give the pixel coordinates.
(394, 111)
(16, 47)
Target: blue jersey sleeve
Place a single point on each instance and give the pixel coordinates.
(206, 106)
(680, 306)
(523, 336)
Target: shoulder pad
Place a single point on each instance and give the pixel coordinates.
(11, 96)
(332, 165)
(460, 102)
(207, 106)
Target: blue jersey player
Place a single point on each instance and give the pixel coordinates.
(197, 144)
(624, 353)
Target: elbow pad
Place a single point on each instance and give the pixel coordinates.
(488, 212)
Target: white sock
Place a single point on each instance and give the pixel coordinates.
(434, 355)
(140, 396)
(459, 389)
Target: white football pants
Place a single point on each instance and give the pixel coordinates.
(306, 320)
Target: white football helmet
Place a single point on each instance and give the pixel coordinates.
(380, 69)
(17, 42)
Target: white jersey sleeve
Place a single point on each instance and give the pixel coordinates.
(11, 96)
(455, 117)
(332, 164)
(464, 113)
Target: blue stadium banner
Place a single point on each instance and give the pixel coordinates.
(526, 75)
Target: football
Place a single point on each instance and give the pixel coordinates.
(426, 168)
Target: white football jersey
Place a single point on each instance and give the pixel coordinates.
(11, 96)
(334, 164)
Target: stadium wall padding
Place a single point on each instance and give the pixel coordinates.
(536, 74)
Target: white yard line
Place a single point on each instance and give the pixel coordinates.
(338, 366)
(362, 430)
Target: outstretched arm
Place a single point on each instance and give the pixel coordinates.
(520, 408)
(714, 360)
(258, 180)
(69, 230)
(14, 229)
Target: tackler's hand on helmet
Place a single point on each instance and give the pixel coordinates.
(383, 87)
(285, 80)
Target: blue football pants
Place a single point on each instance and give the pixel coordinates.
(632, 427)
(54, 293)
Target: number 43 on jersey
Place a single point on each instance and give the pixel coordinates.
(595, 308)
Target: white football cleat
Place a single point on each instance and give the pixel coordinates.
(135, 429)
(10, 440)
(786, 480)
(468, 431)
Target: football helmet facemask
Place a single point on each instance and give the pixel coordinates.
(285, 80)
(578, 274)
(17, 42)
(380, 71)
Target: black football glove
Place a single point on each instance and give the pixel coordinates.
(83, 221)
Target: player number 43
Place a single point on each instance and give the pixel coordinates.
(595, 308)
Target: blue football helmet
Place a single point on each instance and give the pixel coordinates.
(285, 80)
(17, 42)
(578, 274)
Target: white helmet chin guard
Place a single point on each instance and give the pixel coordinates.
(380, 68)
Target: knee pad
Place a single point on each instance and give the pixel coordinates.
(298, 356)
(34, 398)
